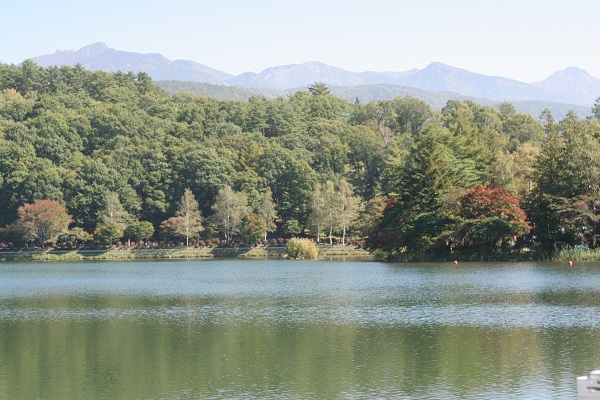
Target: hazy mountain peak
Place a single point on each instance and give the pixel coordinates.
(439, 66)
(93, 49)
(570, 81)
(572, 84)
(569, 73)
(98, 56)
(574, 69)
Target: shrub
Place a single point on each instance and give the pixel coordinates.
(301, 249)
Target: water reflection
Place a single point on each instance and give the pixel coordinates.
(232, 329)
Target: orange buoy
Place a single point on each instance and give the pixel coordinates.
(455, 262)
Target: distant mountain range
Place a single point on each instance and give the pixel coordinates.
(572, 85)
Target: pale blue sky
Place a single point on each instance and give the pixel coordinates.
(520, 39)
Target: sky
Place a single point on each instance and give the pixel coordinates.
(526, 40)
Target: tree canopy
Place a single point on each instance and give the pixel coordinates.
(116, 152)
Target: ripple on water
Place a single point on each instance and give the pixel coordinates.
(497, 316)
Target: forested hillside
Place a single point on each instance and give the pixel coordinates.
(369, 93)
(114, 156)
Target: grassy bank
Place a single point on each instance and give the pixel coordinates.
(325, 252)
(564, 254)
(175, 253)
(576, 254)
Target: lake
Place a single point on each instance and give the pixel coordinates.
(274, 329)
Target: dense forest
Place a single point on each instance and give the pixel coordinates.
(98, 158)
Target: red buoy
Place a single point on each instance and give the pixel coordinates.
(570, 263)
(455, 262)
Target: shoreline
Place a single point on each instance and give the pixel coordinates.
(274, 252)
(175, 253)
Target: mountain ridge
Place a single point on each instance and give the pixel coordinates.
(570, 85)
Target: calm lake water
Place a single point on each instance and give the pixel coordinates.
(240, 329)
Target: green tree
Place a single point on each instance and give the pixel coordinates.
(77, 236)
(32, 78)
(410, 115)
(107, 234)
(383, 116)
(547, 121)
(489, 231)
(139, 230)
(319, 89)
(366, 159)
(369, 215)
(323, 104)
(522, 128)
(204, 170)
(280, 118)
(14, 106)
(435, 171)
(257, 114)
(578, 219)
(292, 227)
(429, 233)
(253, 228)
(515, 171)
(507, 110)
(567, 165)
(291, 179)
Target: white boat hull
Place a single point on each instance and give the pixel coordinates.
(588, 386)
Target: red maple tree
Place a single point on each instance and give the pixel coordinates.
(489, 201)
